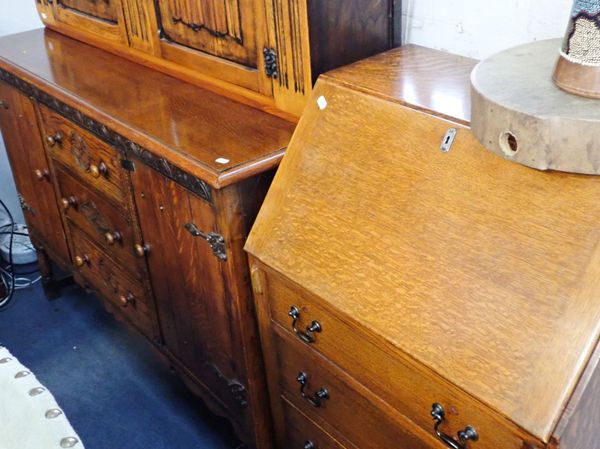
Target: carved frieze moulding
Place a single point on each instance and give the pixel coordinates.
(126, 147)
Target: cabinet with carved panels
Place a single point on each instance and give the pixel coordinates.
(268, 52)
(146, 200)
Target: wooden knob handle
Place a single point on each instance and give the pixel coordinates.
(57, 138)
(68, 202)
(80, 261)
(141, 250)
(126, 300)
(112, 237)
(42, 174)
(97, 170)
(3, 104)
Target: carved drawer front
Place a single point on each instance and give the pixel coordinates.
(108, 225)
(109, 280)
(86, 155)
(302, 433)
(332, 399)
(404, 384)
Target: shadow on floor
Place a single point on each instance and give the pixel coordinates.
(113, 388)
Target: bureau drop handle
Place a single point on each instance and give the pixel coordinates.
(315, 400)
(468, 433)
(309, 335)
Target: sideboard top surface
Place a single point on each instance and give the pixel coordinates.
(189, 125)
(482, 270)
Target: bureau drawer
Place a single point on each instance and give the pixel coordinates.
(302, 433)
(332, 399)
(100, 219)
(401, 382)
(86, 155)
(113, 285)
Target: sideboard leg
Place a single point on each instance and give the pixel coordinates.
(51, 284)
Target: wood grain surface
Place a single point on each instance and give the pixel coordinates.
(351, 410)
(481, 270)
(266, 52)
(302, 431)
(105, 9)
(80, 150)
(107, 278)
(25, 150)
(97, 216)
(191, 126)
(221, 28)
(425, 79)
(345, 31)
(406, 387)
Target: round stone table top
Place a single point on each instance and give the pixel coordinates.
(519, 113)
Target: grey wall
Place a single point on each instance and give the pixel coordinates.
(479, 28)
(16, 16)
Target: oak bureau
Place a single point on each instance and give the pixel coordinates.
(416, 291)
(143, 136)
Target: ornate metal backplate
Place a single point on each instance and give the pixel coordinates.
(270, 62)
(237, 390)
(126, 147)
(215, 241)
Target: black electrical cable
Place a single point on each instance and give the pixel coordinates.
(10, 284)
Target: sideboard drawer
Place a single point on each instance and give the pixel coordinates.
(302, 433)
(109, 280)
(332, 398)
(85, 154)
(108, 225)
(405, 385)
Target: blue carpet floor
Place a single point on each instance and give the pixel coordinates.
(114, 390)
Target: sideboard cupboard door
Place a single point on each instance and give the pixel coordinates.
(104, 18)
(186, 276)
(223, 38)
(32, 174)
(222, 28)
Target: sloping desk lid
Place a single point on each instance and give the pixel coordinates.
(486, 271)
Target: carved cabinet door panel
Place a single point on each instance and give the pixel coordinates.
(187, 277)
(27, 157)
(222, 28)
(222, 37)
(103, 18)
(101, 9)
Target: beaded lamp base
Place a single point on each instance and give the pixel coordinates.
(578, 67)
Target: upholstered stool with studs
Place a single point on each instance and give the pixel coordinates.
(30, 418)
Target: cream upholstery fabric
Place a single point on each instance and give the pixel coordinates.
(30, 418)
